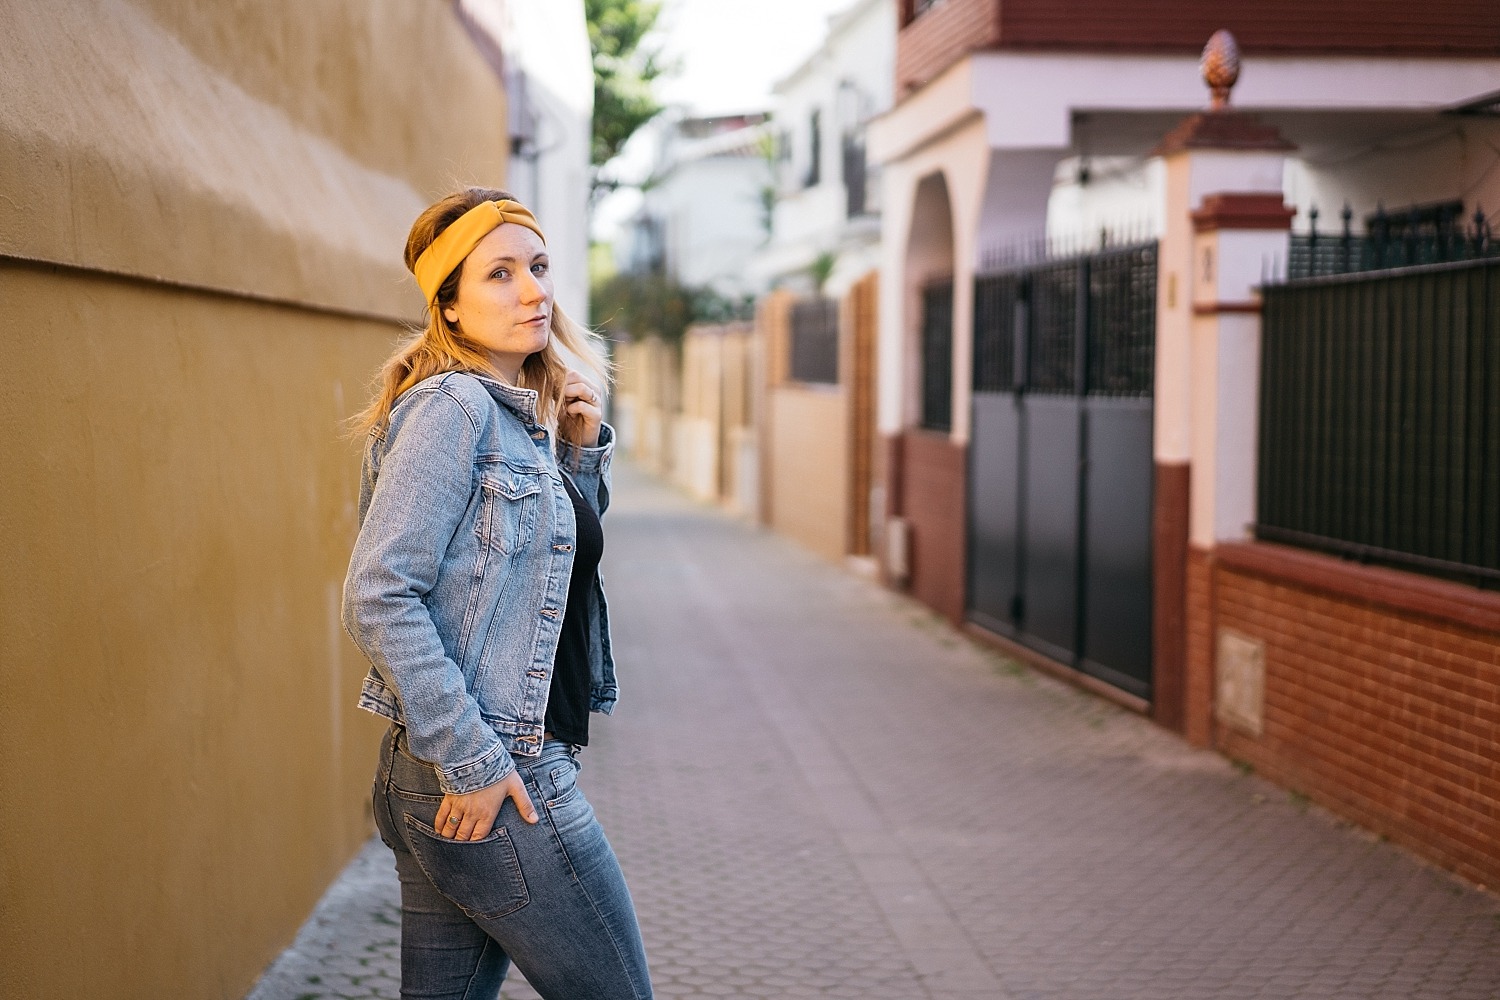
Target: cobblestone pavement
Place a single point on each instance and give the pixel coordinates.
(817, 789)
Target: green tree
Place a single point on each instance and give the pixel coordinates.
(624, 70)
(655, 305)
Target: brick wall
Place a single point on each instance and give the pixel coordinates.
(1382, 694)
(1169, 544)
(1377, 27)
(1197, 680)
(950, 30)
(932, 499)
(940, 37)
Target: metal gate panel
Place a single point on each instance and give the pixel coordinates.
(1117, 543)
(1049, 529)
(1060, 466)
(995, 500)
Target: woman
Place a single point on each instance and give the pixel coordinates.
(474, 591)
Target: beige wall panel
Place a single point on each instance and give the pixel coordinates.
(809, 467)
(281, 150)
(400, 85)
(185, 769)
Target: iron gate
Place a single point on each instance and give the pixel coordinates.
(1061, 460)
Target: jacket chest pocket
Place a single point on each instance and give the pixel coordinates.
(510, 515)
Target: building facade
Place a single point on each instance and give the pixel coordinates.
(822, 255)
(1070, 395)
(200, 258)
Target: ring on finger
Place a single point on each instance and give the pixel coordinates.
(454, 820)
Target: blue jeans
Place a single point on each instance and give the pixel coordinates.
(548, 896)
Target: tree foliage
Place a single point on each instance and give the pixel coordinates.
(624, 70)
(656, 305)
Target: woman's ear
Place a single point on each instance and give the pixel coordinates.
(451, 315)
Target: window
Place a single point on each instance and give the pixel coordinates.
(815, 150)
(854, 176)
(815, 341)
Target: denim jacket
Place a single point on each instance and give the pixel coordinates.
(459, 578)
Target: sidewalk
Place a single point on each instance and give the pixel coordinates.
(818, 789)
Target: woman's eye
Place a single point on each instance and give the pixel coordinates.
(540, 267)
(500, 273)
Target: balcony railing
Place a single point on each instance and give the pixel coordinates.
(1422, 234)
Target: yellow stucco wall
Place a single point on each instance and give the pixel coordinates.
(275, 148)
(202, 209)
(809, 466)
(185, 769)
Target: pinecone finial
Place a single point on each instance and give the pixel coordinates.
(1220, 66)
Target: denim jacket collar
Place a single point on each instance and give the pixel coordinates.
(521, 402)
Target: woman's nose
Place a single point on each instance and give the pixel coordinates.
(531, 290)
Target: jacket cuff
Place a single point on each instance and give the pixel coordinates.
(481, 773)
(575, 458)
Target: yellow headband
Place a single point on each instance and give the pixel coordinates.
(454, 243)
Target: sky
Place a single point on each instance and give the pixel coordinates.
(732, 51)
(729, 53)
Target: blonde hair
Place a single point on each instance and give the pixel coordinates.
(441, 347)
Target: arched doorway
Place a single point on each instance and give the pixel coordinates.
(927, 474)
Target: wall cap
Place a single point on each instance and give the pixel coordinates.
(1378, 585)
(1247, 210)
(1223, 130)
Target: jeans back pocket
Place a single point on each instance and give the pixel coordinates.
(481, 877)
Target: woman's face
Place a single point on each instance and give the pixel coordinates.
(504, 299)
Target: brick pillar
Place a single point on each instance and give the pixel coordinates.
(1224, 222)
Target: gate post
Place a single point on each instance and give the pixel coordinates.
(1224, 223)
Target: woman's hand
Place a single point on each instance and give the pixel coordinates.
(471, 816)
(583, 409)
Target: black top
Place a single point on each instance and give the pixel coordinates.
(568, 699)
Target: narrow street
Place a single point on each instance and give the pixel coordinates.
(818, 789)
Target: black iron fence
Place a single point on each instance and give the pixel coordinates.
(937, 356)
(815, 341)
(999, 330)
(1084, 325)
(1380, 417)
(1410, 237)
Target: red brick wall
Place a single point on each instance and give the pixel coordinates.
(1169, 546)
(941, 37)
(1443, 27)
(1197, 681)
(947, 32)
(932, 499)
(1387, 715)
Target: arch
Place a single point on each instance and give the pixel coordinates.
(929, 258)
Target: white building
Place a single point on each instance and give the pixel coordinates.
(549, 78)
(702, 213)
(827, 200)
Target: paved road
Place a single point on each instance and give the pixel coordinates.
(817, 789)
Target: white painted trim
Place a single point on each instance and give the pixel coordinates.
(1027, 99)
